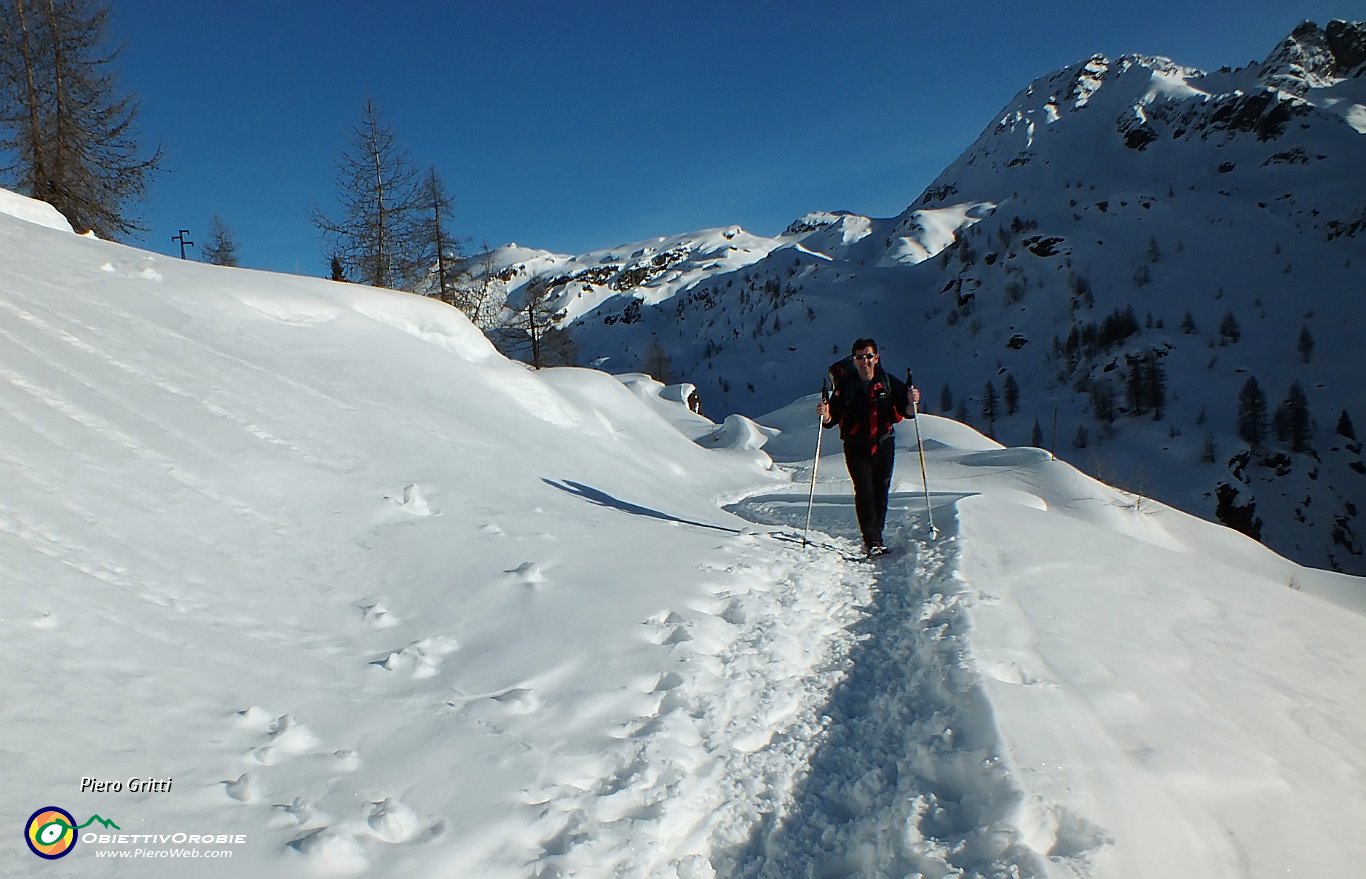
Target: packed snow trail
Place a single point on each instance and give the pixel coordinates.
(906, 775)
(818, 716)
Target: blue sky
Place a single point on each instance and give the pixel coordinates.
(576, 126)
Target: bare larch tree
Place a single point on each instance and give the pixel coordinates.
(66, 130)
(376, 234)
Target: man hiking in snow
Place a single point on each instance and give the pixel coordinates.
(865, 402)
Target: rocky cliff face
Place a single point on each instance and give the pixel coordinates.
(1315, 57)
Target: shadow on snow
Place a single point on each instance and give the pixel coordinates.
(603, 499)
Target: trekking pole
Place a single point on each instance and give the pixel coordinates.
(820, 429)
(920, 447)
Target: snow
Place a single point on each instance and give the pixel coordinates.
(39, 212)
(1356, 117)
(1103, 187)
(387, 604)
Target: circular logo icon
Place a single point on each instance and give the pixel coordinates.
(50, 833)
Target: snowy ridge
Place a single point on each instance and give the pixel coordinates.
(1131, 184)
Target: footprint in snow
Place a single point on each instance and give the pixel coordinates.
(245, 788)
(1014, 673)
(413, 501)
(346, 760)
(734, 613)
(519, 700)
(293, 814)
(528, 574)
(329, 852)
(668, 681)
(679, 635)
(286, 736)
(394, 822)
(421, 659)
(669, 630)
(374, 613)
(254, 718)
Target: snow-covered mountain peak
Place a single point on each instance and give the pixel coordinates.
(1133, 185)
(816, 220)
(1075, 87)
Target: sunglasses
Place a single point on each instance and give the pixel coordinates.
(865, 357)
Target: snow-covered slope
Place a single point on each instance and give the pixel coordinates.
(309, 568)
(1226, 210)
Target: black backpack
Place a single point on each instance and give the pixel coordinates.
(842, 374)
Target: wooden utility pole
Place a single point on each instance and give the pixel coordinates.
(183, 241)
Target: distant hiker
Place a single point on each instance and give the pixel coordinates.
(865, 402)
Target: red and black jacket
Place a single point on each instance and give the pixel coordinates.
(866, 411)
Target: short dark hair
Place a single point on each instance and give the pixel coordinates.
(860, 344)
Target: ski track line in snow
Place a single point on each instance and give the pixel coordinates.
(121, 555)
(117, 436)
(102, 388)
(247, 425)
(60, 495)
(194, 350)
(99, 391)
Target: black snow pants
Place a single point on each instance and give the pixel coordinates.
(872, 477)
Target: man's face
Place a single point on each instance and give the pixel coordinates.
(865, 359)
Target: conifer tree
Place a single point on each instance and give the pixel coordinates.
(67, 131)
(221, 248)
(376, 233)
(1103, 401)
(946, 398)
(534, 323)
(439, 248)
(1011, 393)
(1252, 413)
(1345, 427)
(1155, 386)
(1036, 435)
(1292, 419)
(658, 364)
(1229, 331)
(1134, 389)
(990, 402)
(1305, 345)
